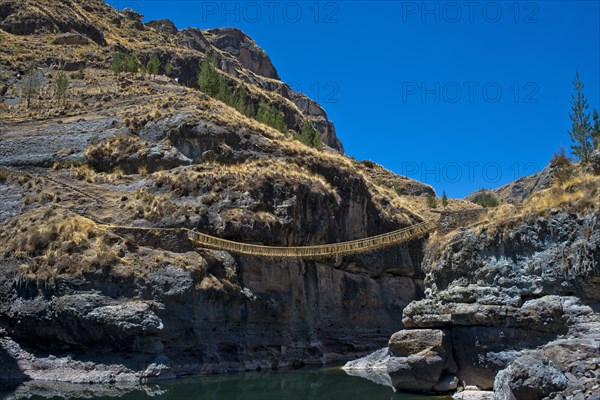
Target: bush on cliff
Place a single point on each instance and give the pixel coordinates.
(486, 199)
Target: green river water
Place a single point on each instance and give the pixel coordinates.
(323, 384)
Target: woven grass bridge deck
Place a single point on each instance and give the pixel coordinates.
(326, 250)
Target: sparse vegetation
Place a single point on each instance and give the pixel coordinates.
(3, 176)
(30, 85)
(169, 68)
(61, 87)
(80, 74)
(309, 136)
(214, 84)
(562, 167)
(123, 62)
(580, 193)
(271, 116)
(153, 66)
(107, 154)
(444, 199)
(55, 244)
(431, 201)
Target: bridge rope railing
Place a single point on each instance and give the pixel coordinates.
(326, 250)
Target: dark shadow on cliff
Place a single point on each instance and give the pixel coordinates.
(10, 374)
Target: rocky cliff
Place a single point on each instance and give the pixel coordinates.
(511, 304)
(97, 284)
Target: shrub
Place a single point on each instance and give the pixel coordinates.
(271, 116)
(31, 84)
(62, 85)
(562, 167)
(169, 68)
(211, 82)
(241, 102)
(123, 62)
(444, 199)
(431, 201)
(118, 63)
(153, 66)
(133, 64)
(486, 199)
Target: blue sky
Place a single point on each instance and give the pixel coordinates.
(462, 95)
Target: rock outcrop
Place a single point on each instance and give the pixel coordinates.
(244, 49)
(415, 360)
(518, 191)
(529, 377)
(514, 302)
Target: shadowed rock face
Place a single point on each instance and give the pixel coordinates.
(500, 293)
(270, 316)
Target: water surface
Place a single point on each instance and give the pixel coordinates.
(324, 384)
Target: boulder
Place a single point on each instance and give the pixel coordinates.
(529, 377)
(416, 360)
(419, 372)
(414, 341)
(72, 38)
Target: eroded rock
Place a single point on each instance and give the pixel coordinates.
(529, 377)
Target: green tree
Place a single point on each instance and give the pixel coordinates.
(31, 84)
(431, 200)
(153, 66)
(444, 199)
(169, 68)
(310, 136)
(208, 77)
(270, 115)
(62, 85)
(133, 64)
(596, 129)
(581, 131)
(241, 101)
(118, 63)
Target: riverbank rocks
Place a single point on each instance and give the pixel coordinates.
(519, 306)
(409, 342)
(416, 360)
(529, 377)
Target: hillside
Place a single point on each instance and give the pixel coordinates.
(103, 193)
(95, 264)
